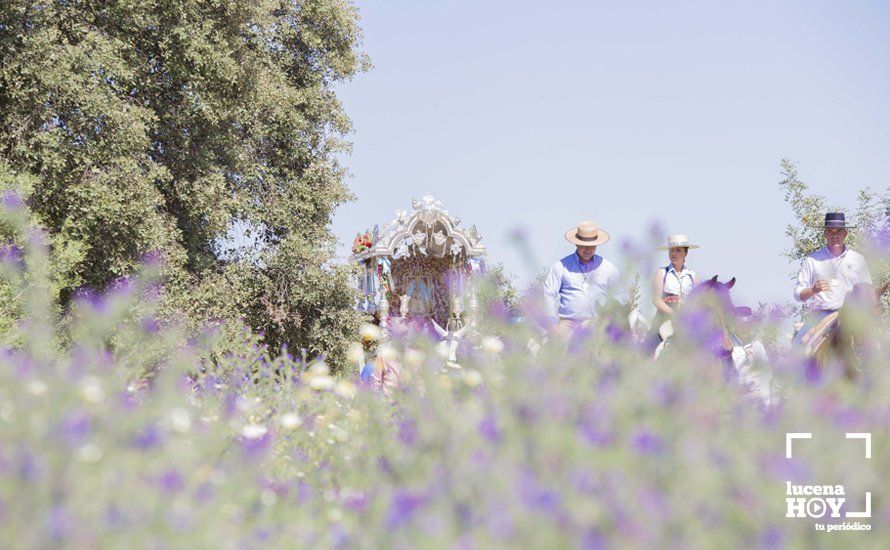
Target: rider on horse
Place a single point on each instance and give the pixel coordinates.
(828, 275)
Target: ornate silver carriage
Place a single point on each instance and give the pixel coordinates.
(420, 265)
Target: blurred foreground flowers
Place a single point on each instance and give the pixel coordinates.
(117, 431)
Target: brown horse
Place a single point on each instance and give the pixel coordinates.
(849, 334)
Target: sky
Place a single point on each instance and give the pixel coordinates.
(533, 116)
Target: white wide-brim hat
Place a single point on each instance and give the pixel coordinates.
(587, 234)
(678, 240)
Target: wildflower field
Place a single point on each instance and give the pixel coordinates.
(118, 431)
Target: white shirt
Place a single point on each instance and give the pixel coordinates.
(678, 283)
(745, 358)
(842, 273)
(573, 289)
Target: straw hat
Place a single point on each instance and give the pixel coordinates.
(587, 234)
(678, 240)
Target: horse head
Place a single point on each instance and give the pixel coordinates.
(713, 292)
(709, 313)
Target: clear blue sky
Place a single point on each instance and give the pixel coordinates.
(538, 115)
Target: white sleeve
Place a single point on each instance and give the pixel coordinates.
(552, 284)
(804, 278)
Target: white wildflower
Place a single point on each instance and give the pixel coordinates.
(322, 382)
(90, 453)
(370, 332)
(268, 498)
(492, 344)
(91, 390)
(290, 421)
(246, 404)
(319, 368)
(387, 352)
(346, 389)
(254, 431)
(355, 354)
(180, 420)
(217, 477)
(37, 387)
(413, 357)
(472, 378)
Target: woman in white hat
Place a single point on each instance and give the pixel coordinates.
(673, 282)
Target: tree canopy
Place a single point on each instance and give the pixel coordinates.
(158, 126)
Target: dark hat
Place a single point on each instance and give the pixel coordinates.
(836, 220)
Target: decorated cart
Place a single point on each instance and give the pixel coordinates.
(420, 267)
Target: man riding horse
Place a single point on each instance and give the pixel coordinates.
(827, 276)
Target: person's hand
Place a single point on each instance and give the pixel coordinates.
(821, 286)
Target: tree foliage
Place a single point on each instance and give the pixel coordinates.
(159, 125)
(809, 210)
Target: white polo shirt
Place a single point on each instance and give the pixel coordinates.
(842, 273)
(679, 283)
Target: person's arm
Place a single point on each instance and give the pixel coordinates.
(805, 289)
(657, 289)
(552, 285)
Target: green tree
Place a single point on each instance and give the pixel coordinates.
(159, 125)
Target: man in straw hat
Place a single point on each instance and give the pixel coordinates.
(829, 274)
(576, 284)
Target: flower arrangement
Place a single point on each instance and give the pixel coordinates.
(361, 242)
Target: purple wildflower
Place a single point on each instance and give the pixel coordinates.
(593, 539)
(850, 419)
(772, 538)
(75, 428)
(254, 447)
(150, 325)
(12, 200)
(578, 339)
(11, 254)
(357, 501)
(407, 432)
(614, 333)
(115, 518)
(647, 443)
(204, 493)
(149, 438)
(537, 497)
(28, 469)
(171, 482)
(585, 482)
(304, 492)
(812, 372)
(489, 430)
(402, 508)
(784, 469)
(58, 522)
